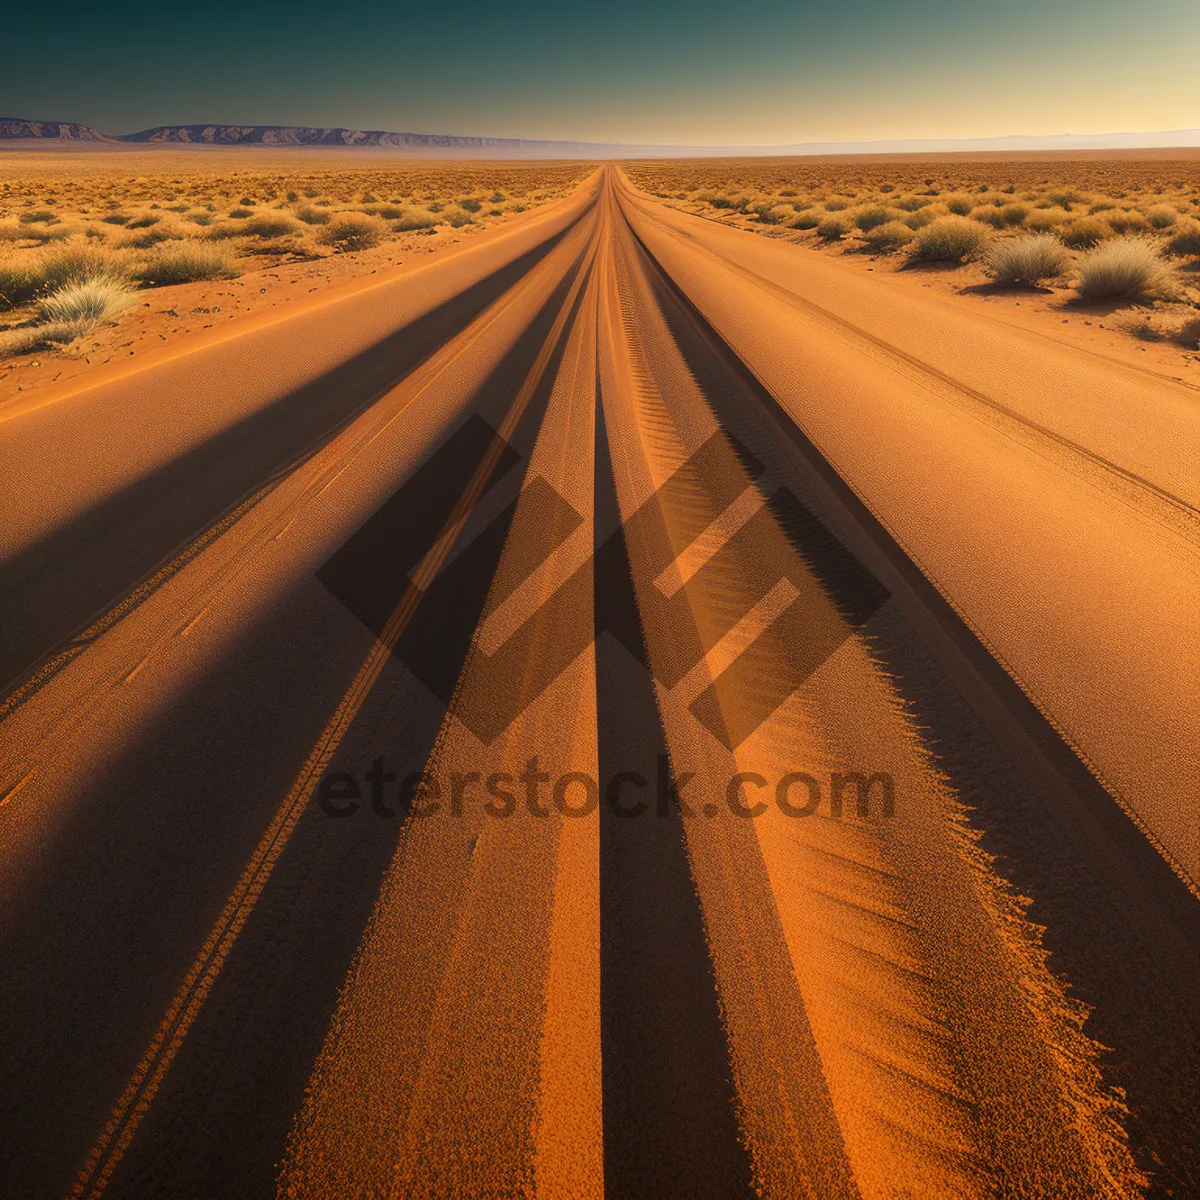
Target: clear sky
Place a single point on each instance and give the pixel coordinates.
(731, 72)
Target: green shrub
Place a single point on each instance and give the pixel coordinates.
(950, 239)
(1130, 266)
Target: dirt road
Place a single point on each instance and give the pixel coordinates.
(632, 709)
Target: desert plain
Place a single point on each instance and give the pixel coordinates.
(668, 678)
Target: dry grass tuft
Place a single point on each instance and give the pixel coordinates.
(86, 304)
(1185, 240)
(186, 262)
(19, 280)
(1028, 259)
(1129, 266)
(886, 238)
(950, 239)
(1084, 233)
(833, 227)
(350, 231)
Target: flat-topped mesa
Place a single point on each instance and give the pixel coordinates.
(64, 131)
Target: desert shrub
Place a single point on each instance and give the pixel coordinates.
(471, 204)
(1120, 221)
(143, 222)
(989, 214)
(833, 227)
(201, 218)
(39, 218)
(1126, 266)
(1042, 220)
(767, 214)
(77, 262)
(456, 218)
(1014, 214)
(868, 218)
(185, 262)
(239, 214)
(311, 215)
(22, 340)
(350, 231)
(912, 204)
(115, 219)
(151, 237)
(1064, 199)
(883, 239)
(1084, 233)
(1186, 239)
(960, 206)
(920, 218)
(950, 239)
(86, 304)
(1028, 259)
(836, 205)
(267, 225)
(1161, 216)
(284, 245)
(807, 220)
(19, 280)
(414, 220)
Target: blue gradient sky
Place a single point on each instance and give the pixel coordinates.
(707, 72)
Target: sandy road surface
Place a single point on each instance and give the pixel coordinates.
(580, 720)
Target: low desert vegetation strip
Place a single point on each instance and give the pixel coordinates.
(100, 232)
(1121, 232)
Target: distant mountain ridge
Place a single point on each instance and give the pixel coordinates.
(454, 145)
(66, 131)
(298, 135)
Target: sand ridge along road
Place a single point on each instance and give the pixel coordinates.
(630, 710)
